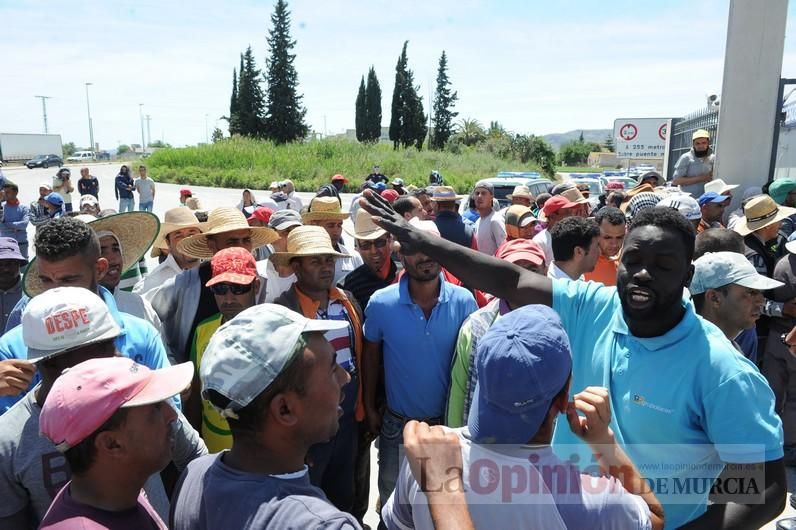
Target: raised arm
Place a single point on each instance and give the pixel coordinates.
(477, 270)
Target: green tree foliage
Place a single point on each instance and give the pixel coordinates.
(159, 144)
(360, 110)
(217, 135)
(470, 131)
(69, 148)
(608, 144)
(284, 114)
(444, 101)
(496, 130)
(372, 107)
(576, 153)
(250, 98)
(234, 105)
(407, 122)
(580, 138)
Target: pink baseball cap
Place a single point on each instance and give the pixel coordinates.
(390, 195)
(521, 249)
(85, 396)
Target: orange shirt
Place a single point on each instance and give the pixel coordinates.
(604, 272)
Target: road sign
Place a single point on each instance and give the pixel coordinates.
(641, 137)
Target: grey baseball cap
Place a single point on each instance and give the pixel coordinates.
(284, 219)
(717, 269)
(248, 353)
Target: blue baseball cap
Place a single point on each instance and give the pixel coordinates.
(380, 186)
(54, 198)
(522, 363)
(712, 196)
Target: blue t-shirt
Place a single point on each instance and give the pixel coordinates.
(417, 352)
(688, 387)
(139, 341)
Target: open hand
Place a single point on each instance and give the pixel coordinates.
(387, 218)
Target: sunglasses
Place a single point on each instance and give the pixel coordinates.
(223, 288)
(367, 245)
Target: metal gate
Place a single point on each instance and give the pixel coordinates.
(682, 129)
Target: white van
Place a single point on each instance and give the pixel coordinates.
(81, 156)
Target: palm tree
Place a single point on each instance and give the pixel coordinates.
(471, 131)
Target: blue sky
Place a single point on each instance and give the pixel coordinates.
(537, 67)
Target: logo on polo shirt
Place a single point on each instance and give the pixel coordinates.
(66, 320)
(641, 401)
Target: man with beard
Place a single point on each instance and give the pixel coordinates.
(311, 255)
(695, 167)
(234, 284)
(635, 340)
(490, 231)
(412, 325)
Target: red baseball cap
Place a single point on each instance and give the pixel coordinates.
(233, 265)
(390, 195)
(261, 213)
(521, 249)
(555, 203)
(185, 192)
(338, 178)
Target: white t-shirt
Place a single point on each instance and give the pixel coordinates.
(504, 490)
(545, 241)
(146, 189)
(490, 232)
(275, 284)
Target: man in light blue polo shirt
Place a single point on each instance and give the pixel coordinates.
(413, 324)
(673, 378)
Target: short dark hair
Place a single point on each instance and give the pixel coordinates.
(65, 237)
(542, 198)
(570, 233)
(81, 457)
(699, 299)
(418, 192)
(403, 204)
(293, 378)
(613, 215)
(667, 219)
(718, 240)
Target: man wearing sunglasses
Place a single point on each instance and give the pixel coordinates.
(234, 284)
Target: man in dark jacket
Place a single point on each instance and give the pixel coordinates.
(450, 224)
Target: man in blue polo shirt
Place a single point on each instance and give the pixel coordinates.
(413, 324)
(68, 255)
(672, 377)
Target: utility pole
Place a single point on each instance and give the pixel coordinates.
(148, 134)
(141, 118)
(90, 125)
(207, 138)
(44, 110)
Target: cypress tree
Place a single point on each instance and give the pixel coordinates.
(284, 115)
(234, 106)
(250, 98)
(444, 100)
(372, 107)
(397, 109)
(360, 118)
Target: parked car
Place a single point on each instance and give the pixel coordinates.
(627, 182)
(505, 182)
(81, 156)
(44, 161)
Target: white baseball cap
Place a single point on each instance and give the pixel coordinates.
(717, 269)
(683, 203)
(63, 319)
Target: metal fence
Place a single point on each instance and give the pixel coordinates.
(682, 129)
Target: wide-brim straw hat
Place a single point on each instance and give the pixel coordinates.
(306, 241)
(174, 219)
(521, 192)
(220, 220)
(322, 208)
(574, 195)
(364, 227)
(446, 194)
(135, 230)
(761, 212)
(632, 192)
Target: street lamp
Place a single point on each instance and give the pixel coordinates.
(90, 125)
(141, 118)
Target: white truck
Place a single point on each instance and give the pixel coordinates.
(15, 146)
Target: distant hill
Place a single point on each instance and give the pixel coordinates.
(589, 135)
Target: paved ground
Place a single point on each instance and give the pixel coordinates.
(167, 196)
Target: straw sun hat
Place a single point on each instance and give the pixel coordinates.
(306, 241)
(760, 212)
(364, 227)
(324, 208)
(174, 219)
(220, 220)
(135, 230)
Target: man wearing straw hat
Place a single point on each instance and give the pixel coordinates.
(184, 301)
(448, 221)
(178, 223)
(310, 253)
(327, 213)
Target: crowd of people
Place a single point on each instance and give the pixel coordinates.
(242, 382)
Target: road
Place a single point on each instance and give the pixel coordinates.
(166, 197)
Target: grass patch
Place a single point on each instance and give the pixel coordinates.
(244, 162)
